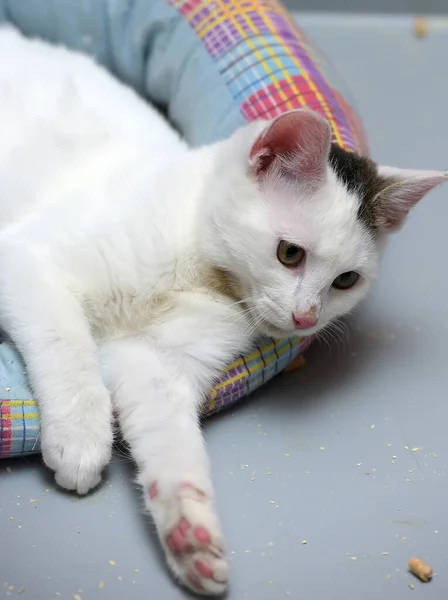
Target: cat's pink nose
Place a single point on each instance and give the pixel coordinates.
(305, 320)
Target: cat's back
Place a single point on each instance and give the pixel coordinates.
(64, 116)
(47, 80)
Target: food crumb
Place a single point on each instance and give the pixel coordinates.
(76, 597)
(120, 578)
(11, 518)
(404, 539)
(304, 542)
(8, 389)
(136, 570)
(411, 586)
(420, 569)
(32, 500)
(112, 562)
(384, 553)
(270, 543)
(353, 558)
(252, 478)
(47, 489)
(388, 576)
(372, 426)
(322, 448)
(21, 590)
(101, 585)
(287, 455)
(421, 30)
(416, 449)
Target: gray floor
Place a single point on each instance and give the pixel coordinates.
(350, 454)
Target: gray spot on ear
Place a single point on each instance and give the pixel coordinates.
(360, 176)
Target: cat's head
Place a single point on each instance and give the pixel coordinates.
(303, 221)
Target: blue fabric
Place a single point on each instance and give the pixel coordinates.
(147, 44)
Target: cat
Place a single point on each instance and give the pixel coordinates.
(133, 269)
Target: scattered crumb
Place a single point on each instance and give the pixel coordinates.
(358, 464)
(404, 539)
(436, 531)
(136, 570)
(11, 518)
(388, 576)
(271, 501)
(270, 543)
(112, 562)
(8, 470)
(353, 558)
(287, 455)
(32, 500)
(411, 586)
(8, 389)
(304, 542)
(101, 585)
(11, 587)
(372, 426)
(21, 590)
(120, 578)
(421, 28)
(76, 597)
(417, 449)
(47, 489)
(322, 448)
(384, 553)
(252, 478)
(420, 569)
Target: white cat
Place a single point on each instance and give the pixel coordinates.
(122, 249)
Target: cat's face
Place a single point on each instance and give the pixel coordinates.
(306, 221)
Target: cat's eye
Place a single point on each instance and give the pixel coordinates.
(289, 254)
(347, 280)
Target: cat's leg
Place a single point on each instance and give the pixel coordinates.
(156, 394)
(49, 328)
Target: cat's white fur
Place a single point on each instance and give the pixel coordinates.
(110, 232)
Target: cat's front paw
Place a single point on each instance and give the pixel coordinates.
(191, 536)
(79, 446)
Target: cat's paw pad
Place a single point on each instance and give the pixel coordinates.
(194, 545)
(77, 451)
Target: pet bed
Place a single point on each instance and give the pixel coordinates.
(211, 65)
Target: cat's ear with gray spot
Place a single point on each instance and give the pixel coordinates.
(406, 188)
(295, 144)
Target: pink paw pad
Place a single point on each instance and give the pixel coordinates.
(153, 490)
(203, 569)
(202, 535)
(177, 539)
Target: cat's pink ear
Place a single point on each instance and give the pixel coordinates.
(407, 187)
(296, 143)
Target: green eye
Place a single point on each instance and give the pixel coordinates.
(347, 280)
(289, 254)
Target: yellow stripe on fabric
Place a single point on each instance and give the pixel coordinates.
(20, 416)
(253, 370)
(9, 403)
(252, 46)
(257, 8)
(305, 74)
(239, 362)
